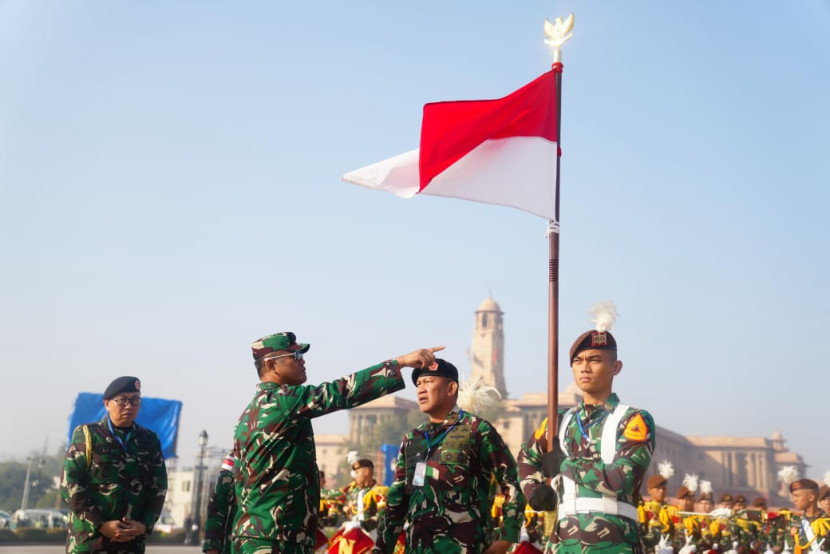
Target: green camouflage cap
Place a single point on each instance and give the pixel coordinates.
(279, 341)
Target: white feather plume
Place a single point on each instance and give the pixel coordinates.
(788, 474)
(477, 398)
(351, 457)
(826, 478)
(706, 487)
(604, 315)
(690, 481)
(665, 469)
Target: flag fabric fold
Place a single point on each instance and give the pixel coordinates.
(502, 152)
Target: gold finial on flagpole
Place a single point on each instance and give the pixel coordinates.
(557, 34)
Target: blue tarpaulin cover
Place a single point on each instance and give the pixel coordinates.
(390, 458)
(157, 414)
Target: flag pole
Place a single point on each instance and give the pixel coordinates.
(556, 33)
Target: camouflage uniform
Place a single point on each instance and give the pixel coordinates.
(813, 532)
(451, 512)
(597, 481)
(277, 485)
(332, 502)
(128, 481)
(221, 510)
(367, 504)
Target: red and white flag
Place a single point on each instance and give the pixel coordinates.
(500, 152)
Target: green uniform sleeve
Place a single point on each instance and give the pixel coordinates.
(157, 486)
(347, 392)
(75, 480)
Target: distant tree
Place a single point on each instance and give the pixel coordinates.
(41, 481)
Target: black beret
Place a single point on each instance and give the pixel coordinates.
(122, 384)
(441, 368)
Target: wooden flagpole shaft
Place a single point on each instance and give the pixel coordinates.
(553, 279)
(557, 34)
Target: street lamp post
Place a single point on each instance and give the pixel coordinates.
(200, 480)
(24, 503)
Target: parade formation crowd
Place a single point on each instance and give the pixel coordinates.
(457, 488)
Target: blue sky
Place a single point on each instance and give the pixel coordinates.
(169, 192)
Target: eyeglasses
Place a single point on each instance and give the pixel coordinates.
(123, 401)
(297, 356)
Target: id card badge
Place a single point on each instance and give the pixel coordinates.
(420, 474)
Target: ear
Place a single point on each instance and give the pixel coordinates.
(453, 387)
(617, 367)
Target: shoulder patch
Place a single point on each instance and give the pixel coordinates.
(636, 430)
(542, 429)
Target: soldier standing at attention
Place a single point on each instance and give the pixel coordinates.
(114, 478)
(602, 453)
(444, 476)
(277, 486)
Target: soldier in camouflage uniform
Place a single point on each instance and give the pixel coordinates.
(366, 500)
(221, 510)
(444, 476)
(114, 478)
(601, 456)
(277, 487)
(657, 517)
(810, 530)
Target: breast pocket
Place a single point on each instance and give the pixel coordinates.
(455, 460)
(104, 468)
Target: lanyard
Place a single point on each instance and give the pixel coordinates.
(585, 435)
(114, 434)
(440, 437)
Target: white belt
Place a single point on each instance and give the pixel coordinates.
(602, 505)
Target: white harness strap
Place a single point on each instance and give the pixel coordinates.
(808, 530)
(570, 504)
(609, 433)
(568, 486)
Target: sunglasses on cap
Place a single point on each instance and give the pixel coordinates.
(297, 356)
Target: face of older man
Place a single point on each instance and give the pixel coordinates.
(123, 408)
(436, 395)
(285, 368)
